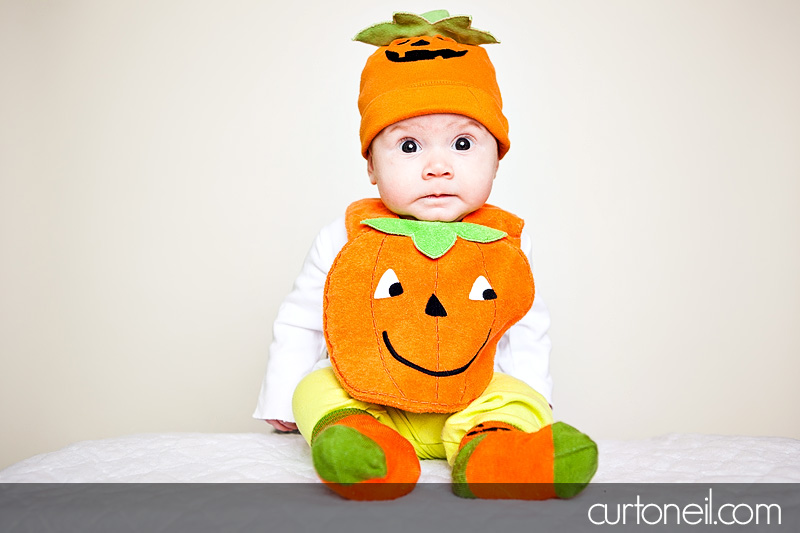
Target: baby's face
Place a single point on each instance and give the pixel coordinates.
(434, 167)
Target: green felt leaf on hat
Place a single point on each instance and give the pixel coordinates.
(407, 25)
(435, 15)
(434, 239)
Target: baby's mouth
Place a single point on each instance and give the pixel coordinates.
(436, 196)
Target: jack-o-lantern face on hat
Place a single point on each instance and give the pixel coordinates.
(427, 64)
(418, 333)
(424, 49)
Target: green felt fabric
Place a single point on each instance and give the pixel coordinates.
(332, 418)
(406, 25)
(434, 239)
(575, 460)
(343, 455)
(435, 15)
(460, 486)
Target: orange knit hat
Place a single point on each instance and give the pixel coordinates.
(428, 64)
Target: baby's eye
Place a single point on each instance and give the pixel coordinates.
(462, 143)
(409, 146)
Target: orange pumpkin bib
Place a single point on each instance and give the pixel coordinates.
(413, 310)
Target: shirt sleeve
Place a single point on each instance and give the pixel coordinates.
(298, 344)
(524, 351)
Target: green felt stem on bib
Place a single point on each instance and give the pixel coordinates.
(434, 239)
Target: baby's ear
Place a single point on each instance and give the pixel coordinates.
(371, 169)
(497, 218)
(363, 210)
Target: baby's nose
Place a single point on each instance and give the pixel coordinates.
(438, 167)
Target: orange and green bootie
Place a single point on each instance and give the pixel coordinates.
(361, 459)
(498, 461)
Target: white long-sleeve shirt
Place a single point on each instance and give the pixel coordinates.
(298, 345)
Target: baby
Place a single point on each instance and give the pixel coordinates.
(433, 133)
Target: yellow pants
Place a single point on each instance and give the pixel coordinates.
(433, 435)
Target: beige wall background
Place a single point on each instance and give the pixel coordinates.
(165, 166)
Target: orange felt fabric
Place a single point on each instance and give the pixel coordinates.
(402, 465)
(513, 465)
(455, 352)
(392, 91)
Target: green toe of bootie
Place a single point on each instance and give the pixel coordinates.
(574, 461)
(343, 455)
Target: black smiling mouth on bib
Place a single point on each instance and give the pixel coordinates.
(434, 373)
(423, 54)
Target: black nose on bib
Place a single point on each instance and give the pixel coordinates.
(434, 307)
